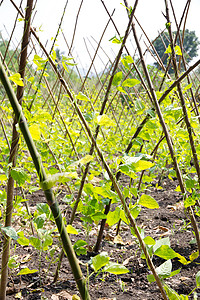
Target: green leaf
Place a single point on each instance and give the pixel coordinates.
(148, 201)
(22, 240)
(71, 229)
(173, 295)
(166, 252)
(115, 268)
(149, 240)
(100, 261)
(27, 271)
(16, 78)
(35, 132)
(10, 231)
(35, 242)
(117, 79)
(39, 221)
(194, 255)
(135, 211)
(121, 90)
(104, 120)
(178, 50)
(113, 217)
(79, 247)
(189, 201)
(198, 279)
(86, 159)
(19, 175)
(142, 165)
(168, 50)
(12, 263)
(82, 97)
(130, 82)
(48, 241)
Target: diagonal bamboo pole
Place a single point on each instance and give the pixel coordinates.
(53, 204)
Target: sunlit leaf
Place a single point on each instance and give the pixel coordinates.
(198, 279)
(165, 252)
(104, 120)
(10, 231)
(19, 175)
(35, 132)
(117, 79)
(86, 159)
(115, 268)
(27, 271)
(100, 261)
(71, 229)
(113, 217)
(149, 240)
(148, 201)
(16, 78)
(82, 97)
(130, 82)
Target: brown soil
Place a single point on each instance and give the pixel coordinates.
(169, 220)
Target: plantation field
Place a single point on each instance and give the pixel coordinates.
(99, 170)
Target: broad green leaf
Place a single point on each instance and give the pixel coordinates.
(135, 211)
(35, 132)
(113, 217)
(12, 263)
(22, 240)
(39, 221)
(16, 78)
(148, 201)
(178, 50)
(106, 192)
(19, 175)
(117, 79)
(27, 271)
(198, 279)
(43, 208)
(48, 241)
(166, 252)
(189, 201)
(71, 229)
(123, 217)
(115, 268)
(168, 50)
(164, 269)
(194, 255)
(82, 97)
(55, 178)
(173, 295)
(100, 261)
(121, 90)
(98, 216)
(142, 165)
(79, 247)
(104, 120)
(86, 159)
(149, 240)
(35, 242)
(10, 231)
(3, 177)
(130, 82)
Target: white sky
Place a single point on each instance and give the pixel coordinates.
(92, 21)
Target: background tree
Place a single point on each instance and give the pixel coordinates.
(190, 45)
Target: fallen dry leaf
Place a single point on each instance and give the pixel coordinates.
(118, 240)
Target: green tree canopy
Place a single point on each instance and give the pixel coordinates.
(190, 45)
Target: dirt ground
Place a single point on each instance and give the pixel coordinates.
(168, 221)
